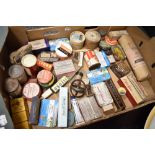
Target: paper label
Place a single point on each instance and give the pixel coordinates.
(102, 94)
(78, 116)
(63, 67)
(38, 44)
(63, 107)
(134, 57)
(111, 58)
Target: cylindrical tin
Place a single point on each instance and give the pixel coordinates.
(77, 39)
(44, 65)
(111, 42)
(91, 60)
(135, 58)
(13, 87)
(29, 61)
(92, 39)
(17, 72)
(31, 90)
(45, 78)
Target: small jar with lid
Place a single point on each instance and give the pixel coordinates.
(17, 72)
(31, 90)
(29, 61)
(45, 78)
(13, 87)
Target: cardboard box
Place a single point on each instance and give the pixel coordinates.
(21, 36)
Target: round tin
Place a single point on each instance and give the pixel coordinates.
(17, 72)
(47, 85)
(104, 46)
(91, 60)
(31, 90)
(30, 61)
(13, 87)
(92, 39)
(44, 76)
(111, 42)
(77, 39)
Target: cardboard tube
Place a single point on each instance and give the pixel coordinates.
(135, 58)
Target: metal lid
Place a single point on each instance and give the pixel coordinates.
(16, 71)
(31, 90)
(11, 85)
(29, 60)
(44, 76)
(93, 36)
(77, 36)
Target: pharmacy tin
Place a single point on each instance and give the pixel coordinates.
(45, 78)
(29, 61)
(77, 39)
(92, 39)
(13, 87)
(17, 72)
(31, 90)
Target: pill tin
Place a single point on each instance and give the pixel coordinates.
(29, 61)
(45, 78)
(92, 39)
(17, 72)
(77, 39)
(31, 90)
(13, 87)
(111, 42)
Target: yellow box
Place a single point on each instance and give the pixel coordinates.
(18, 105)
(20, 117)
(23, 125)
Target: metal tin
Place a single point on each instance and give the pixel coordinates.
(13, 87)
(44, 65)
(91, 60)
(111, 42)
(30, 61)
(31, 90)
(17, 72)
(92, 39)
(44, 76)
(77, 39)
(47, 85)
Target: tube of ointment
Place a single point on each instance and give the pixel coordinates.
(80, 59)
(78, 115)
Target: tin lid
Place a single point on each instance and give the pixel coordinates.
(93, 36)
(44, 76)
(31, 90)
(111, 42)
(77, 37)
(16, 71)
(11, 85)
(29, 60)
